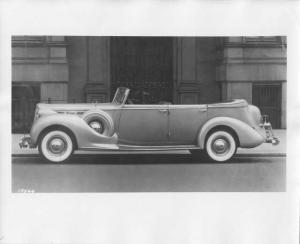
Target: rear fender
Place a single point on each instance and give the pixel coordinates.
(248, 136)
(84, 134)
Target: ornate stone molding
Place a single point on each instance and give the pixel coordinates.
(33, 41)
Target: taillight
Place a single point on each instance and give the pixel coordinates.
(261, 121)
(255, 115)
(36, 113)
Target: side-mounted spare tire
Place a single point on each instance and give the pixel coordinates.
(100, 121)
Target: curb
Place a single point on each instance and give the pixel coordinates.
(261, 155)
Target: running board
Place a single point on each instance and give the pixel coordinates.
(157, 148)
(121, 147)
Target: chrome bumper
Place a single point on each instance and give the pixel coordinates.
(26, 142)
(273, 140)
(270, 137)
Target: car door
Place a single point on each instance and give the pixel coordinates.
(185, 122)
(143, 125)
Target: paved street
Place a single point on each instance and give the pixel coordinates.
(148, 173)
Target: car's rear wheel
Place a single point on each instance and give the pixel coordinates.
(56, 146)
(220, 146)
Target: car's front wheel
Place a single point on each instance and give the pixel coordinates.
(56, 146)
(220, 146)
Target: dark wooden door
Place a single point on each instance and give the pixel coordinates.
(143, 64)
(24, 99)
(268, 99)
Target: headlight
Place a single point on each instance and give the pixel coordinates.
(97, 126)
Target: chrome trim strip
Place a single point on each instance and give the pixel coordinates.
(142, 148)
(159, 107)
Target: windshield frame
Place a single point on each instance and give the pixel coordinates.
(121, 95)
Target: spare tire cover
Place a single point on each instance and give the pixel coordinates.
(103, 118)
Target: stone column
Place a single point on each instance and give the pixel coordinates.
(195, 70)
(283, 107)
(185, 70)
(98, 74)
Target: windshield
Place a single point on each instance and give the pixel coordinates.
(121, 95)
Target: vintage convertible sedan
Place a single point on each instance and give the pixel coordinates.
(214, 130)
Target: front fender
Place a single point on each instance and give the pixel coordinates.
(85, 135)
(248, 137)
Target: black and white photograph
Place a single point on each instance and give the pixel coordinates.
(148, 113)
(148, 122)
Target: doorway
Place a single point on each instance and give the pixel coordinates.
(143, 64)
(24, 99)
(268, 98)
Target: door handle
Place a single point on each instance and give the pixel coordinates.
(163, 110)
(203, 109)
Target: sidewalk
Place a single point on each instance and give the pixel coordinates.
(266, 149)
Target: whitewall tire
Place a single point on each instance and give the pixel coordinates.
(220, 146)
(56, 146)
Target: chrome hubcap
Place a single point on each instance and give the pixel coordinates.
(56, 145)
(97, 126)
(220, 146)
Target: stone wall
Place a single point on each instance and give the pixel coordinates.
(41, 60)
(205, 69)
(252, 60)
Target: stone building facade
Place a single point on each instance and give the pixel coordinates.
(174, 69)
